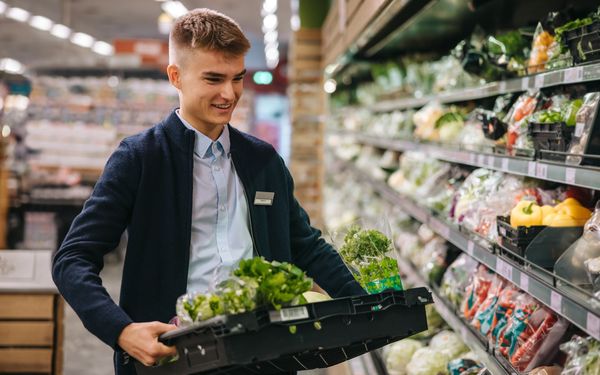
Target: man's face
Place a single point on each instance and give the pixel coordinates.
(210, 85)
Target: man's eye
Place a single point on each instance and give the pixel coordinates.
(237, 79)
(213, 80)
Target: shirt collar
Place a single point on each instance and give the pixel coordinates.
(202, 146)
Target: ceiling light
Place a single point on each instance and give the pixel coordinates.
(5, 131)
(11, 66)
(295, 22)
(270, 6)
(272, 64)
(60, 31)
(18, 14)
(262, 78)
(82, 39)
(41, 23)
(270, 22)
(271, 36)
(273, 45)
(272, 54)
(174, 8)
(103, 48)
(329, 86)
(3, 7)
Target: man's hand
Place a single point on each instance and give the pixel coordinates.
(140, 340)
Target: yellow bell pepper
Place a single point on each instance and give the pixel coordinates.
(563, 220)
(547, 220)
(575, 211)
(567, 202)
(526, 214)
(547, 210)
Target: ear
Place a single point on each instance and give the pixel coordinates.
(174, 75)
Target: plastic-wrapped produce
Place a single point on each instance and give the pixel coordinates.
(484, 317)
(425, 120)
(462, 366)
(516, 118)
(583, 356)
(427, 361)
(456, 278)
(585, 120)
(477, 291)
(448, 343)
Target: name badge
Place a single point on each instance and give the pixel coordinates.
(263, 198)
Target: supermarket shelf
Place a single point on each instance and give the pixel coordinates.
(588, 177)
(456, 323)
(579, 312)
(583, 73)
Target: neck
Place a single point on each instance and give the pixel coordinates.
(212, 131)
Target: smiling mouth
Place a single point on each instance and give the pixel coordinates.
(222, 106)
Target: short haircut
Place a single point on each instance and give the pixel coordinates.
(207, 29)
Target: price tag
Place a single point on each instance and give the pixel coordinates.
(491, 161)
(480, 160)
(570, 175)
(502, 87)
(525, 83)
(573, 75)
(541, 171)
(556, 301)
(470, 247)
(504, 269)
(531, 169)
(539, 81)
(524, 282)
(505, 164)
(593, 325)
(579, 129)
(472, 158)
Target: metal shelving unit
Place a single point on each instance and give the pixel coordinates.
(584, 176)
(577, 74)
(583, 313)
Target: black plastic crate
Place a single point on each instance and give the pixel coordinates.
(491, 126)
(325, 334)
(584, 43)
(516, 239)
(551, 137)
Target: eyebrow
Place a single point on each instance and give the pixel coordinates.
(221, 75)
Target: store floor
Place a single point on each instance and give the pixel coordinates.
(84, 353)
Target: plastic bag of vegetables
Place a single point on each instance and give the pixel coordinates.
(583, 356)
(448, 343)
(427, 361)
(399, 354)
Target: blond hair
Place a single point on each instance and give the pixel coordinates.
(207, 29)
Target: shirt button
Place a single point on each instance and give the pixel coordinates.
(222, 207)
(217, 169)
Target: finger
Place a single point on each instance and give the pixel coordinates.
(163, 350)
(160, 327)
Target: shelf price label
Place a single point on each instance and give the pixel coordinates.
(593, 325)
(524, 83)
(570, 175)
(504, 269)
(524, 282)
(539, 81)
(541, 170)
(491, 161)
(470, 247)
(556, 301)
(472, 158)
(531, 168)
(573, 75)
(502, 87)
(481, 160)
(505, 164)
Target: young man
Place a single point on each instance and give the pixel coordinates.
(186, 192)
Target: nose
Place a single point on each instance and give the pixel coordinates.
(227, 92)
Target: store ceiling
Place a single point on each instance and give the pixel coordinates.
(116, 19)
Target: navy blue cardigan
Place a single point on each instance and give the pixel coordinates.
(146, 187)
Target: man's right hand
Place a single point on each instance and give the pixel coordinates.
(140, 340)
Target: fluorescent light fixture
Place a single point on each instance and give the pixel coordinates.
(270, 6)
(103, 48)
(273, 45)
(60, 31)
(271, 36)
(82, 39)
(5, 131)
(329, 86)
(18, 14)
(3, 7)
(174, 8)
(270, 22)
(11, 66)
(41, 23)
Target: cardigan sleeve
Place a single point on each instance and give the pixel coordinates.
(95, 232)
(314, 255)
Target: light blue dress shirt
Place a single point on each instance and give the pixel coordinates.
(220, 222)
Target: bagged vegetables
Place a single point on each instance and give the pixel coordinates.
(583, 356)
